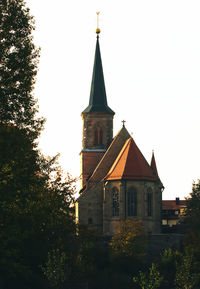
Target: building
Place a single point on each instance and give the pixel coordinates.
(172, 211)
(117, 181)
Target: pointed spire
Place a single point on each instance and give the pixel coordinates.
(153, 165)
(98, 99)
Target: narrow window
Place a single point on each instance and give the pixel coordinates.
(115, 202)
(98, 136)
(132, 202)
(149, 202)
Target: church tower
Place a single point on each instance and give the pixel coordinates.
(97, 121)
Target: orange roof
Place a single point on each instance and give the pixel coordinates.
(130, 164)
(173, 205)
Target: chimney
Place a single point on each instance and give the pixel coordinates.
(177, 201)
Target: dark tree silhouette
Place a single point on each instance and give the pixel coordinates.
(18, 69)
(35, 200)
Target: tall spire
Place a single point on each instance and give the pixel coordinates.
(98, 99)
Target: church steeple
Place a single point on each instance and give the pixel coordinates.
(97, 120)
(98, 99)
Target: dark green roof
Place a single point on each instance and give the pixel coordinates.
(98, 99)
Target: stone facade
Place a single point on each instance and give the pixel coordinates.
(95, 206)
(97, 130)
(150, 214)
(97, 135)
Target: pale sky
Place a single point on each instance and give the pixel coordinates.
(151, 60)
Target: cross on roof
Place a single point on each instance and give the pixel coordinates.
(123, 121)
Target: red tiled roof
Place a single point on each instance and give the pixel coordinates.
(172, 205)
(174, 217)
(130, 164)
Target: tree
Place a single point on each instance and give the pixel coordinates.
(35, 200)
(18, 69)
(192, 222)
(35, 210)
(168, 260)
(56, 269)
(130, 240)
(186, 276)
(192, 214)
(127, 247)
(152, 281)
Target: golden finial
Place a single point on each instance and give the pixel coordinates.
(98, 30)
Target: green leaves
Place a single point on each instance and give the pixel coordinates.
(192, 221)
(152, 280)
(193, 207)
(35, 212)
(35, 198)
(130, 240)
(18, 69)
(56, 268)
(186, 275)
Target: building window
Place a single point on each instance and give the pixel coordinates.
(98, 136)
(132, 202)
(115, 202)
(149, 202)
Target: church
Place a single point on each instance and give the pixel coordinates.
(117, 183)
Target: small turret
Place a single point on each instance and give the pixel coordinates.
(153, 165)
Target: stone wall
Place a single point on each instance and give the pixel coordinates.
(159, 242)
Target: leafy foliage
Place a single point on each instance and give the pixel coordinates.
(130, 240)
(18, 69)
(186, 276)
(192, 223)
(152, 281)
(56, 269)
(35, 208)
(192, 214)
(35, 200)
(168, 261)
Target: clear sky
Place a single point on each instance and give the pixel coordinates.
(151, 59)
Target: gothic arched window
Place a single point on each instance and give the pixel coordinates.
(115, 202)
(98, 135)
(132, 202)
(149, 202)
